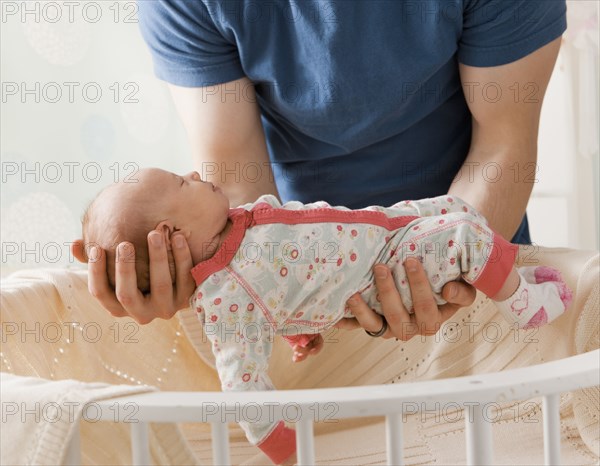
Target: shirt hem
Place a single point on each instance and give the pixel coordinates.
(200, 77)
(497, 56)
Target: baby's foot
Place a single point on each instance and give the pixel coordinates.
(541, 297)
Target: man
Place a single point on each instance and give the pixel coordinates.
(355, 103)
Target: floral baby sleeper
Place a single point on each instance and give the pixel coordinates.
(289, 269)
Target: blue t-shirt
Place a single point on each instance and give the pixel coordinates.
(361, 101)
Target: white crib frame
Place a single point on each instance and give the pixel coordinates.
(470, 393)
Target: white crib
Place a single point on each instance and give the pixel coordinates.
(474, 394)
(502, 373)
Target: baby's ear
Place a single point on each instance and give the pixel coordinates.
(77, 249)
(166, 229)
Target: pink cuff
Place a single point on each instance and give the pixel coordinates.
(501, 260)
(280, 444)
(301, 340)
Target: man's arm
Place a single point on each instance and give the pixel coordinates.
(227, 138)
(505, 102)
(505, 132)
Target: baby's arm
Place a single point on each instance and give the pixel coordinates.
(243, 367)
(242, 341)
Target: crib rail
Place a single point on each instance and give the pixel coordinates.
(470, 393)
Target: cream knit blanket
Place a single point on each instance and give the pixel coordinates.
(40, 416)
(52, 328)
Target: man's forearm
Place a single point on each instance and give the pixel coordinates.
(500, 170)
(499, 187)
(227, 138)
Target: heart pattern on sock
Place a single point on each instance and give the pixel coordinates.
(519, 305)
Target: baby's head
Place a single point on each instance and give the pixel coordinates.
(158, 200)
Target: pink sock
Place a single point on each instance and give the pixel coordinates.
(541, 297)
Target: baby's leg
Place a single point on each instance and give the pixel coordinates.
(466, 247)
(528, 296)
(533, 296)
(446, 246)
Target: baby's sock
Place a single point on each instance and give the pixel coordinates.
(541, 297)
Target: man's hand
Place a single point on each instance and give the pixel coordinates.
(427, 317)
(164, 300)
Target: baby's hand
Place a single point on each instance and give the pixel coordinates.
(313, 347)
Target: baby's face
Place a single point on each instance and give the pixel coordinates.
(184, 203)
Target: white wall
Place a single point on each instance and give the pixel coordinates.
(81, 142)
(564, 208)
(56, 155)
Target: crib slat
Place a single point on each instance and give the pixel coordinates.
(479, 436)
(73, 455)
(305, 442)
(139, 444)
(220, 443)
(551, 415)
(393, 439)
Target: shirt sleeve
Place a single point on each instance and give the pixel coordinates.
(186, 46)
(496, 32)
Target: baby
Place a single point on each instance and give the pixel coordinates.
(265, 268)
